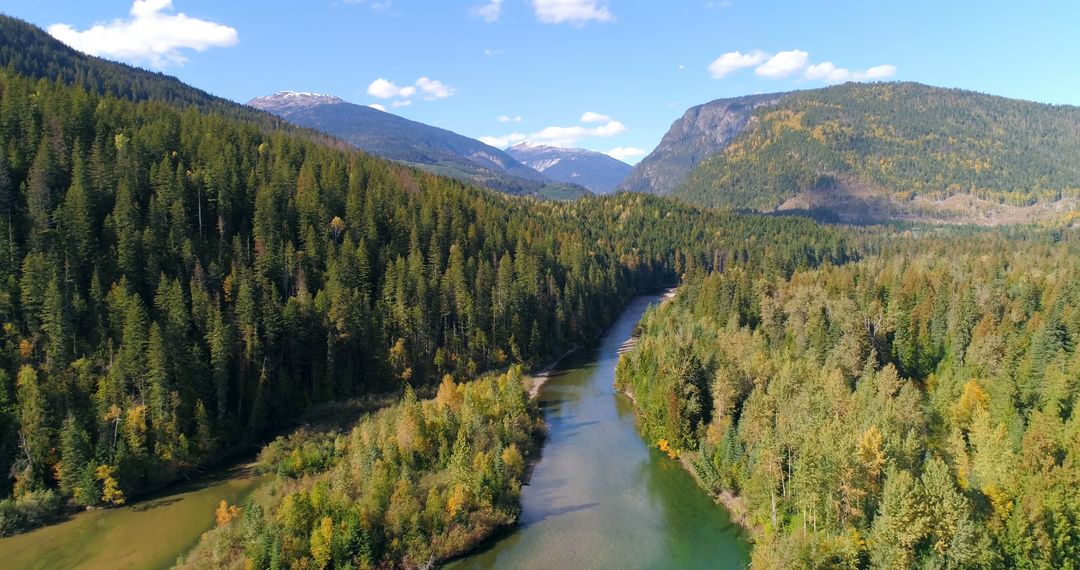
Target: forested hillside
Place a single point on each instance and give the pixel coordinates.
(892, 150)
(913, 409)
(28, 51)
(174, 280)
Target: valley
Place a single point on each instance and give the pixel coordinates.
(829, 319)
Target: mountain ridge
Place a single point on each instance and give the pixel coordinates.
(596, 171)
(864, 152)
(701, 131)
(414, 143)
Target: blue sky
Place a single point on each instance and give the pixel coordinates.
(609, 75)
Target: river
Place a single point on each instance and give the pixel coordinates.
(600, 497)
(150, 533)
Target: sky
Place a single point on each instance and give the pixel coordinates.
(607, 75)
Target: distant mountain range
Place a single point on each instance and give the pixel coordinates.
(594, 170)
(424, 146)
(867, 152)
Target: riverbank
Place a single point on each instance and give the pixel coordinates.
(734, 504)
(537, 379)
(147, 534)
(600, 496)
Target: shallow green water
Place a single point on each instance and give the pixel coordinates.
(147, 534)
(599, 497)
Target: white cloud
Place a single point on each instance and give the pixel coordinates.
(490, 52)
(880, 71)
(383, 89)
(625, 153)
(504, 142)
(786, 63)
(783, 64)
(377, 107)
(560, 136)
(404, 103)
(826, 71)
(829, 73)
(433, 88)
(576, 12)
(590, 117)
(733, 61)
(376, 5)
(489, 12)
(609, 130)
(509, 119)
(429, 88)
(153, 35)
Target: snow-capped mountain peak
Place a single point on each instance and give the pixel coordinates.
(286, 101)
(594, 170)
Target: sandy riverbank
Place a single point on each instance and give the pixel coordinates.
(538, 378)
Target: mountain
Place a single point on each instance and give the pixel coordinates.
(594, 170)
(702, 131)
(29, 51)
(414, 143)
(867, 152)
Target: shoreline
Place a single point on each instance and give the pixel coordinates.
(734, 504)
(538, 378)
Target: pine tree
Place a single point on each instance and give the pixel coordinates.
(56, 324)
(34, 432)
(74, 453)
(40, 195)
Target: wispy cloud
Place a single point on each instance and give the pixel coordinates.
(375, 5)
(831, 74)
(590, 117)
(489, 12)
(568, 136)
(790, 63)
(509, 119)
(425, 87)
(575, 12)
(152, 35)
(626, 153)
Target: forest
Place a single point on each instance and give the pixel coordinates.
(177, 282)
(182, 277)
(915, 408)
(416, 482)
